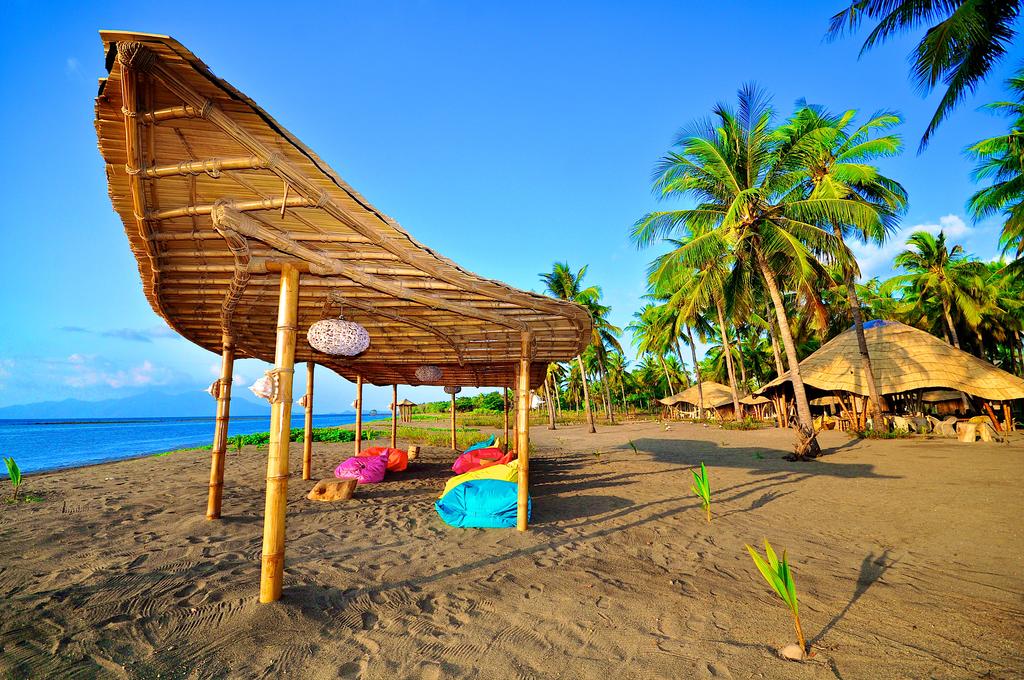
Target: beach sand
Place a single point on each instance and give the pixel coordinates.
(907, 558)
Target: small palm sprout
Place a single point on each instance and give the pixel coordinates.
(238, 441)
(702, 488)
(780, 578)
(14, 472)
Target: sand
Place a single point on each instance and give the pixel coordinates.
(907, 556)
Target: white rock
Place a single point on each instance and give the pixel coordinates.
(792, 653)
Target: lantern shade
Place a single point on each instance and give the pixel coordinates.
(452, 389)
(428, 373)
(338, 337)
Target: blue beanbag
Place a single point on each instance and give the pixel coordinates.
(481, 503)
(485, 444)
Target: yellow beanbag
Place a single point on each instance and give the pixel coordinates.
(508, 472)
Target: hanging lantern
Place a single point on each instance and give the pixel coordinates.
(452, 389)
(428, 374)
(338, 337)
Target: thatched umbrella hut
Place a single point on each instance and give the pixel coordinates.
(716, 396)
(245, 238)
(907, 362)
(405, 410)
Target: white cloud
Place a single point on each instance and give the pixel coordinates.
(84, 371)
(877, 261)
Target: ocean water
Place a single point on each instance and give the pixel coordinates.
(39, 445)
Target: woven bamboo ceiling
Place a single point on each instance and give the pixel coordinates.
(215, 195)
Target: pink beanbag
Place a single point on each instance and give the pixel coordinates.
(481, 458)
(398, 460)
(365, 469)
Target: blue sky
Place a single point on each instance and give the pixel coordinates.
(505, 135)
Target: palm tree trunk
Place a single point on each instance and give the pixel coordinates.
(609, 413)
(551, 406)
(779, 366)
(808, 447)
(679, 354)
(727, 348)
(696, 372)
(949, 324)
(877, 405)
(743, 364)
(586, 395)
(668, 379)
(622, 388)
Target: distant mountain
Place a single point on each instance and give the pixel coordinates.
(145, 405)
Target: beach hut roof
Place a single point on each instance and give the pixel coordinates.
(216, 196)
(903, 358)
(753, 400)
(406, 402)
(715, 395)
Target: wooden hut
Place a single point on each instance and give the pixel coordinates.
(245, 238)
(716, 396)
(405, 410)
(907, 362)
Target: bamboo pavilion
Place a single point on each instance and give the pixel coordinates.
(245, 238)
(908, 363)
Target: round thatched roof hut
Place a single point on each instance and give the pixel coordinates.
(904, 359)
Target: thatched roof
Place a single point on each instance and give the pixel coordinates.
(753, 400)
(903, 359)
(406, 402)
(215, 196)
(715, 395)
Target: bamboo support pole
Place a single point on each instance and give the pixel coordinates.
(272, 574)
(454, 443)
(359, 414)
(307, 440)
(1007, 418)
(504, 408)
(220, 433)
(394, 416)
(523, 433)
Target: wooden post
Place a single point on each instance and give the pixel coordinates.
(992, 417)
(1007, 417)
(220, 432)
(394, 416)
(307, 441)
(272, 574)
(454, 446)
(523, 432)
(504, 407)
(359, 414)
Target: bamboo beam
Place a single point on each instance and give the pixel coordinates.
(992, 416)
(170, 113)
(454, 447)
(272, 573)
(394, 416)
(307, 441)
(211, 166)
(243, 206)
(523, 433)
(220, 432)
(1007, 417)
(359, 414)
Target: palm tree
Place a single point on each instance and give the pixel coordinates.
(752, 207)
(652, 332)
(1001, 161)
(964, 41)
(942, 274)
(697, 289)
(839, 160)
(564, 284)
(604, 338)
